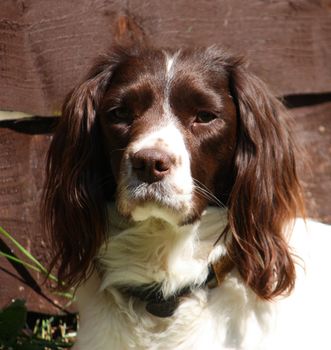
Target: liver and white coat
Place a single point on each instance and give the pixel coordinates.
(164, 165)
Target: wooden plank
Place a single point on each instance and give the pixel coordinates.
(312, 126)
(46, 48)
(21, 180)
(286, 42)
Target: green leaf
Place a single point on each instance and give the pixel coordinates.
(12, 321)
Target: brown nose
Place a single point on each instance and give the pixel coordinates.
(151, 165)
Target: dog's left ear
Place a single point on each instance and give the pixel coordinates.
(266, 193)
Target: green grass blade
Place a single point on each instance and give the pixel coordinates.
(23, 250)
(42, 269)
(19, 261)
(35, 268)
(37, 265)
(32, 267)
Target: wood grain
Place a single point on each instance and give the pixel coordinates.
(21, 180)
(312, 127)
(46, 48)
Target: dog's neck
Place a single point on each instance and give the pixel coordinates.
(156, 251)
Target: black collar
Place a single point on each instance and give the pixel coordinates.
(157, 304)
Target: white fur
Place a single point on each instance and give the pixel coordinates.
(227, 317)
(169, 63)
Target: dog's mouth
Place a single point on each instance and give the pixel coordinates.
(140, 201)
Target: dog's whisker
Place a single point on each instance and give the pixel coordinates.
(207, 193)
(209, 197)
(214, 198)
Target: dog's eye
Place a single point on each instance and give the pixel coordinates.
(121, 115)
(205, 117)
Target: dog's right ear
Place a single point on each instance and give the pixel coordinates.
(78, 179)
(74, 199)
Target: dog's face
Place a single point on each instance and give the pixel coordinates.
(169, 124)
(165, 133)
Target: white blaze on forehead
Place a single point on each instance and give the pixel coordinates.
(174, 193)
(169, 63)
(167, 137)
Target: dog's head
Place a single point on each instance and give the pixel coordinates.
(169, 127)
(165, 133)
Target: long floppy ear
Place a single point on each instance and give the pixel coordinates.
(78, 174)
(74, 203)
(266, 193)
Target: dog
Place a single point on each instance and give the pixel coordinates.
(174, 205)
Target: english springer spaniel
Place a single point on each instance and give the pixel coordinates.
(172, 199)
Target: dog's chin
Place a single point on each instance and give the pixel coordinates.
(144, 210)
(161, 202)
(149, 210)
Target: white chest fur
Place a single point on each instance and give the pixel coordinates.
(227, 317)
